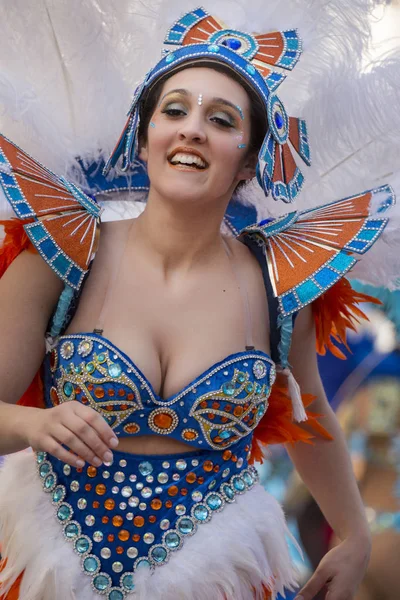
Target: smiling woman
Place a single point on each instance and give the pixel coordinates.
(163, 364)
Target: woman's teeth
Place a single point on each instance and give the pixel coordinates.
(191, 160)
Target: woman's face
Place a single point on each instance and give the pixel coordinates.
(198, 136)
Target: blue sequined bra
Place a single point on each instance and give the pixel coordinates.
(216, 410)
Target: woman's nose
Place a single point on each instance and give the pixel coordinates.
(192, 130)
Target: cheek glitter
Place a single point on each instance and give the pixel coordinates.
(152, 124)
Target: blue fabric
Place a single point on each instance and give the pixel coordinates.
(217, 409)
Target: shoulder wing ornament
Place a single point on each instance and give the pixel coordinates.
(64, 225)
(307, 252)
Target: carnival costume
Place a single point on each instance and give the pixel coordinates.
(142, 527)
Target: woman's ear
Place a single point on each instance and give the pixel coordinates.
(143, 153)
(248, 170)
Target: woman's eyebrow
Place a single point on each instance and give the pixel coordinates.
(181, 91)
(216, 100)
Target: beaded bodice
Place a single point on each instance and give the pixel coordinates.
(216, 410)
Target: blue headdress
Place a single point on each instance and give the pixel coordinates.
(258, 59)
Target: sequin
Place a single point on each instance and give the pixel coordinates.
(105, 553)
(139, 486)
(133, 501)
(146, 492)
(181, 464)
(145, 468)
(92, 471)
(164, 524)
(208, 465)
(132, 552)
(82, 503)
(176, 477)
(106, 474)
(166, 465)
(90, 520)
(117, 567)
(197, 496)
(149, 478)
(119, 477)
(123, 505)
(173, 490)
(109, 504)
(117, 521)
(132, 478)
(180, 509)
(138, 521)
(195, 462)
(101, 489)
(126, 491)
(98, 536)
(142, 506)
(191, 477)
(162, 477)
(148, 538)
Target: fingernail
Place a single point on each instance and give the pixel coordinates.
(108, 457)
(80, 464)
(97, 461)
(114, 442)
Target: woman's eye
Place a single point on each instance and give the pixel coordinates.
(222, 120)
(174, 110)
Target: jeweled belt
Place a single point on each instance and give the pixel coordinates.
(136, 511)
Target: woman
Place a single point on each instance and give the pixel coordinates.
(136, 394)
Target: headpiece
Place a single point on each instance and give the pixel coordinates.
(198, 36)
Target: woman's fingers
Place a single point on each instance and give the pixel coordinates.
(98, 423)
(79, 428)
(78, 443)
(54, 448)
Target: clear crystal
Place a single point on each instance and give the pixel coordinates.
(90, 520)
(119, 477)
(180, 509)
(98, 536)
(133, 501)
(148, 538)
(106, 474)
(82, 503)
(162, 477)
(197, 496)
(164, 524)
(74, 486)
(105, 553)
(132, 552)
(117, 567)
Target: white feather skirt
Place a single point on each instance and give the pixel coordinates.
(231, 558)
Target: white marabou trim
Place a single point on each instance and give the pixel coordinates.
(229, 559)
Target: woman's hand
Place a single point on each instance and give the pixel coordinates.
(80, 428)
(341, 570)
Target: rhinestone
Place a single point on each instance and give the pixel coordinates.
(108, 463)
(159, 554)
(250, 69)
(228, 491)
(239, 463)
(162, 477)
(98, 536)
(208, 382)
(142, 506)
(197, 496)
(165, 465)
(122, 463)
(58, 493)
(119, 477)
(117, 567)
(158, 490)
(82, 503)
(226, 472)
(105, 553)
(106, 474)
(180, 509)
(145, 468)
(149, 478)
(90, 368)
(115, 489)
(164, 524)
(44, 469)
(186, 525)
(172, 540)
(201, 512)
(181, 464)
(67, 350)
(139, 486)
(123, 505)
(74, 486)
(129, 516)
(82, 545)
(148, 538)
(214, 502)
(126, 491)
(212, 484)
(90, 520)
(232, 43)
(248, 478)
(91, 564)
(195, 462)
(249, 387)
(133, 501)
(226, 373)
(213, 48)
(115, 370)
(146, 492)
(228, 389)
(41, 456)
(241, 377)
(127, 582)
(132, 552)
(49, 482)
(72, 530)
(85, 347)
(176, 477)
(67, 470)
(132, 478)
(101, 582)
(170, 58)
(239, 484)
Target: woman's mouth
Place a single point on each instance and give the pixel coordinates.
(187, 161)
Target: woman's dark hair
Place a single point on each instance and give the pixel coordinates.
(258, 119)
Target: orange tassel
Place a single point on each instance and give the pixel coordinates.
(334, 312)
(277, 425)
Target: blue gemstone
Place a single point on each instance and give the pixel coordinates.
(228, 491)
(115, 370)
(213, 48)
(101, 582)
(64, 512)
(71, 530)
(228, 389)
(143, 563)
(49, 481)
(239, 484)
(58, 494)
(250, 69)
(241, 378)
(201, 513)
(249, 387)
(145, 468)
(68, 389)
(214, 502)
(248, 478)
(172, 540)
(225, 434)
(115, 595)
(170, 58)
(82, 545)
(44, 469)
(159, 554)
(186, 526)
(258, 388)
(90, 564)
(41, 456)
(279, 120)
(127, 582)
(90, 368)
(261, 410)
(101, 357)
(232, 43)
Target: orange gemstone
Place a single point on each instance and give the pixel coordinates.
(131, 428)
(203, 404)
(120, 550)
(184, 492)
(92, 471)
(54, 396)
(189, 435)
(138, 521)
(163, 420)
(110, 537)
(123, 535)
(215, 405)
(121, 392)
(246, 418)
(191, 477)
(247, 448)
(99, 392)
(117, 521)
(100, 489)
(218, 440)
(173, 490)
(124, 406)
(216, 468)
(200, 480)
(111, 392)
(168, 504)
(105, 520)
(84, 400)
(78, 390)
(224, 419)
(152, 518)
(88, 487)
(109, 407)
(208, 465)
(131, 396)
(90, 387)
(109, 504)
(238, 411)
(227, 454)
(228, 407)
(234, 458)
(136, 537)
(79, 470)
(156, 504)
(211, 416)
(96, 504)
